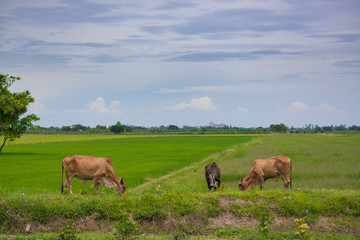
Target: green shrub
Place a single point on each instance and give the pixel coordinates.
(148, 207)
(179, 236)
(228, 232)
(68, 231)
(179, 205)
(212, 206)
(126, 228)
(3, 215)
(265, 216)
(237, 209)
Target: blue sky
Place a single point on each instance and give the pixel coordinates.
(151, 63)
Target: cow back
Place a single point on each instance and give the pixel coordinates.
(86, 167)
(212, 168)
(283, 164)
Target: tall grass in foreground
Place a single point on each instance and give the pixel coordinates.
(190, 213)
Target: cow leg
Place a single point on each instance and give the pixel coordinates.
(68, 182)
(95, 184)
(277, 178)
(262, 183)
(286, 181)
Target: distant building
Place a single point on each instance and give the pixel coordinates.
(221, 125)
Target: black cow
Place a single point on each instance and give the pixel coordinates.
(212, 175)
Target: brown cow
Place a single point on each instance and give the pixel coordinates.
(98, 169)
(262, 169)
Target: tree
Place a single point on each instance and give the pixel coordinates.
(65, 128)
(12, 107)
(173, 127)
(100, 127)
(78, 128)
(117, 128)
(278, 128)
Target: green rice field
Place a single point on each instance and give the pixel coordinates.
(33, 163)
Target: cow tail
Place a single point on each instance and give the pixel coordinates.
(62, 179)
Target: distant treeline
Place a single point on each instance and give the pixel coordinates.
(118, 128)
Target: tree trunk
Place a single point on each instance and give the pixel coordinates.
(3, 144)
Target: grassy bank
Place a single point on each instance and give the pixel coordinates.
(190, 213)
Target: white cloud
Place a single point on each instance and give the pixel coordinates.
(39, 108)
(114, 106)
(327, 108)
(241, 110)
(99, 107)
(200, 104)
(298, 107)
(301, 107)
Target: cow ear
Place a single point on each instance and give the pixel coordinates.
(122, 179)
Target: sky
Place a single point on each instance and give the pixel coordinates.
(187, 63)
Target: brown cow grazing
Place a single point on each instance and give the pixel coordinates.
(262, 169)
(212, 175)
(98, 169)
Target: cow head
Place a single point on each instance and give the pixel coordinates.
(121, 186)
(242, 185)
(213, 181)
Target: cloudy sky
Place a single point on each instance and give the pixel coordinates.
(161, 62)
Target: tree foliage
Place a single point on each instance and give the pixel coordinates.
(13, 106)
(278, 128)
(173, 127)
(117, 128)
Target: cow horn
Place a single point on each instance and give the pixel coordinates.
(122, 179)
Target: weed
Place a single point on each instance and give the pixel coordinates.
(157, 189)
(148, 207)
(179, 236)
(228, 232)
(265, 216)
(213, 208)
(68, 231)
(126, 228)
(3, 215)
(237, 209)
(302, 228)
(311, 218)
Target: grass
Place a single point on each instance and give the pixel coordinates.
(38, 139)
(174, 202)
(189, 213)
(319, 161)
(228, 233)
(37, 167)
